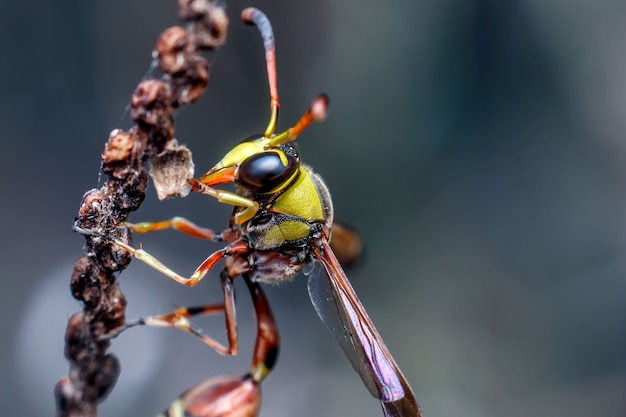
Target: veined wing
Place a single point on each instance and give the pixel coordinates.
(341, 311)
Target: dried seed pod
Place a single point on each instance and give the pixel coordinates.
(190, 86)
(73, 336)
(151, 103)
(92, 372)
(118, 148)
(107, 375)
(212, 30)
(90, 209)
(172, 50)
(85, 282)
(117, 152)
(171, 171)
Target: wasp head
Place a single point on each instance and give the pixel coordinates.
(257, 165)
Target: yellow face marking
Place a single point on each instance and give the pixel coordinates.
(242, 152)
(245, 150)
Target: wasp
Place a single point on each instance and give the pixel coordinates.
(281, 222)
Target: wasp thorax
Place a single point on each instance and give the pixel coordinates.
(268, 171)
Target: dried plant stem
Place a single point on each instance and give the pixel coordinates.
(92, 371)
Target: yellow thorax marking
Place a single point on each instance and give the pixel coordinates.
(301, 199)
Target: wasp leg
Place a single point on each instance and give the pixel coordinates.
(250, 206)
(236, 248)
(180, 319)
(230, 314)
(236, 395)
(267, 341)
(223, 196)
(236, 267)
(177, 223)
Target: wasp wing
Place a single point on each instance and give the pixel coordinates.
(341, 311)
(334, 317)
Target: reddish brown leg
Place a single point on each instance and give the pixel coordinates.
(267, 340)
(230, 314)
(177, 223)
(237, 247)
(180, 319)
(236, 395)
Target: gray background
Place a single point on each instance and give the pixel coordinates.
(478, 146)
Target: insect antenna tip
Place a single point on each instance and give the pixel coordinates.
(319, 108)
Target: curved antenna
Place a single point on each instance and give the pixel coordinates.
(253, 16)
(316, 113)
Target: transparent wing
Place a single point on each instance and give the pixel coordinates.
(341, 311)
(334, 316)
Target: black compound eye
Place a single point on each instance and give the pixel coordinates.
(265, 172)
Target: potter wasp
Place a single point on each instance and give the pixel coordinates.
(282, 221)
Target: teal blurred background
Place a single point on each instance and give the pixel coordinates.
(477, 145)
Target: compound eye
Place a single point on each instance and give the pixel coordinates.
(265, 172)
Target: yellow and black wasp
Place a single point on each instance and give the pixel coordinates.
(282, 221)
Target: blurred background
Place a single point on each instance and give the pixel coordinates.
(477, 145)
